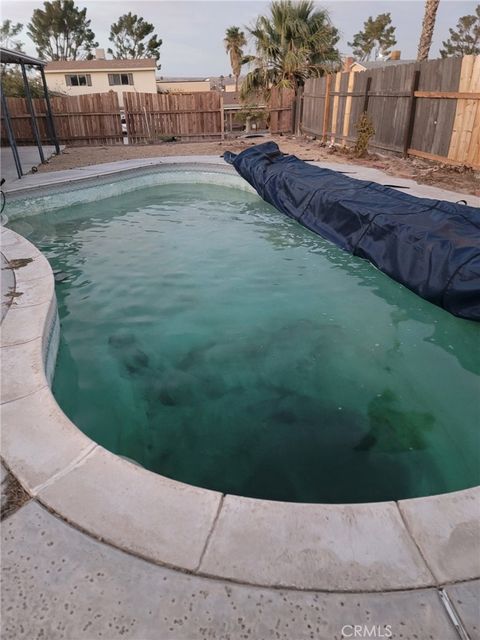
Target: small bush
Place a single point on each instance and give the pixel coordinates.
(365, 130)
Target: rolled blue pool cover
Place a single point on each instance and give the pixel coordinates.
(430, 246)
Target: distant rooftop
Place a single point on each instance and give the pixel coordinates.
(376, 64)
(217, 80)
(179, 79)
(93, 65)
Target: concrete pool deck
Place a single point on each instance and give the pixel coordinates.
(105, 548)
(40, 180)
(29, 159)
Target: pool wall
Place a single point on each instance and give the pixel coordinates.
(20, 205)
(424, 542)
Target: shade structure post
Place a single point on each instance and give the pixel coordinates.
(50, 121)
(33, 118)
(10, 134)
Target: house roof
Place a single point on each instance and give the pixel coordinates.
(163, 79)
(99, 65)
(214, 79)
(377, 64)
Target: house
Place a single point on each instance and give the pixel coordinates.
(188, 85)
(79, 77)
(182, 85)
(225, 83)
(350, 64)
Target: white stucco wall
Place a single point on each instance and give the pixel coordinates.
(143, 82)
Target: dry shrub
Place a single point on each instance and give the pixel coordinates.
(365, 131)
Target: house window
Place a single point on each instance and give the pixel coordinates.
(120, 78)
(78, 80)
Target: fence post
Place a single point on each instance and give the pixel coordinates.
(367, 94)
(336, 103)
(50, 122)
(33, 117)
(10, 134)
(348, 105)
(298, 111)
(407, 139)
(326, 108)
(222, 119)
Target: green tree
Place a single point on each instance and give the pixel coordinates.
(465, 40)
(61, 31)
(13, 87)
(8, 34)
(378, 36)
(234, 41)
(129, 36)
(428, 25)
(293, 43)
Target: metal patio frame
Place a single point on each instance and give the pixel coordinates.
(7, 56)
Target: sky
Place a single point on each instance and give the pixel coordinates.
(193, 31)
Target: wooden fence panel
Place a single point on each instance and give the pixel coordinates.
(423, 108)
(434, 116)
(79, 120)
(21, 120)
(466, 121)
(358, 100)
(388, 105)
(280, 108)
(314, 105)
(151, 116)
(88, 119)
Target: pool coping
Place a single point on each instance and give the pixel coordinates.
(370, 547)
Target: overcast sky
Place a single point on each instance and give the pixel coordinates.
(193, 31)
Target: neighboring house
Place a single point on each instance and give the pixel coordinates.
(79, 77)
(189, 85)
(229, 83)
(350, 64)
(182, 85)
(225, 83)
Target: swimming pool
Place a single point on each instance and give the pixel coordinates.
(217, 342)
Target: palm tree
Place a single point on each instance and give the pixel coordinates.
(234, 41)
(428, 25)
(294, 43)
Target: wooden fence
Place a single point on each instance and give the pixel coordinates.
(429, 109)
(79, 120)
(151, 116)
(97, 119)
(280, 109)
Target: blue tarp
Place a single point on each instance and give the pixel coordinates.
(430, 246)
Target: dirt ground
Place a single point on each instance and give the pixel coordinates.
(458, 179)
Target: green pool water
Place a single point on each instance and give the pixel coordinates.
(215, 341)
